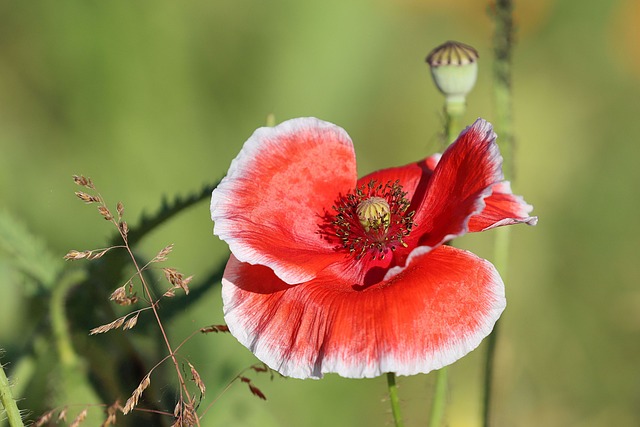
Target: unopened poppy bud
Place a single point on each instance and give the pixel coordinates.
(454, 68)
(374, 213)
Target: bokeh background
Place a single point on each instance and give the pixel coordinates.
(153, 99)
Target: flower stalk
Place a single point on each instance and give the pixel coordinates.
(502, 49)
(454, 68)
(393, 398)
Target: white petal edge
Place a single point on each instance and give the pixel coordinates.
(222, 196)
(387, 362)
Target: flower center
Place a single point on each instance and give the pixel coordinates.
(373, 219)
(374, 214)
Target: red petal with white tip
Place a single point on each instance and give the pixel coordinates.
(502, 207)
(461, 181)
(269, 205)
(426, 316)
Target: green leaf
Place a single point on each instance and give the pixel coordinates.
(27, 252)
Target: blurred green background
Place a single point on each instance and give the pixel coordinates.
(154, 99)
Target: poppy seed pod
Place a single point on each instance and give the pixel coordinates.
(454, 68)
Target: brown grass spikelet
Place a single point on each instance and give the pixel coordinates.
(83, 181)
(177, 409)
(177, 279)
(105, 212)
(196, 378)
(123, 227)
(131, 322)
(73, 254)
(133, 400)
(214, 328)
(189, 416)
(87, 198)
(79, 419)
(171, 274)
(111, 412)
(170, 293)
(95, 254)
(120, 209)
(98, 254)
(109, 326)
(254, 390)
(163, 254)
(119, 294)
(62, 416)
(44, 418)
(120, 297)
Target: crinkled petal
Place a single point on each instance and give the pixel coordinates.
(457, 188)
(426, 316)
(412, 176)
(269, 205)
(502, 207)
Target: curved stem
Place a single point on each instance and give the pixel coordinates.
(8, 402)
(59, 324)
(393, 398)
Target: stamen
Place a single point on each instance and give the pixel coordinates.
(373, 219)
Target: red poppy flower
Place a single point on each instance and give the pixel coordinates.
(330, 273)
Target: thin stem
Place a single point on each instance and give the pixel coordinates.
(502, 50)
(7, 400)
(183, 383)
(152, 302)
(453, 112)
(503, 45)
(439, 398)
(393, 398)
(452, 115)
(500, 260)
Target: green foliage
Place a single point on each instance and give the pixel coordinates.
(28, 254)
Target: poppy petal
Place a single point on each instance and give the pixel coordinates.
(411, 176)
(269, 205)
(502, 207)
(426, 316)
(461, 181)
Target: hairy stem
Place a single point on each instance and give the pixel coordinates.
(8, 402)
(502, 48)
(393, 398)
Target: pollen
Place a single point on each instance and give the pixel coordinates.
(373, 219)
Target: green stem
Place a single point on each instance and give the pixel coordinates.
(8, 402)
(453, 112)
(503, 44)
(500, 260)
(502, 50)
(393, 398)
(439, 398)
(59, 324)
